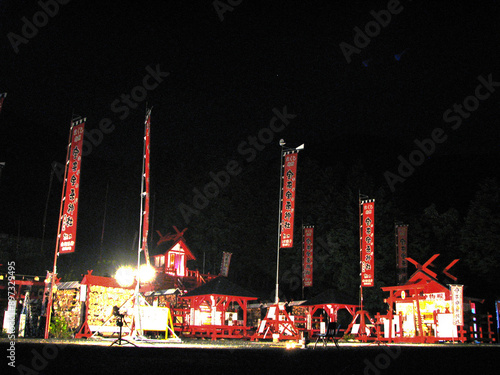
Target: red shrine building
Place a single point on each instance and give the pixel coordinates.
(170, 261)
(431, 308)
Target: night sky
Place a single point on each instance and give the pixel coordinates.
(220, 71)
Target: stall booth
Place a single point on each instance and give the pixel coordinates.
(217, 309)
(98, 295)
(324, 308)
(21, 307)
(67, 305)
(424, 309)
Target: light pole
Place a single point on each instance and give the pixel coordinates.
(280, 200)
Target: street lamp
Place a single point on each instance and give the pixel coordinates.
(282, 144)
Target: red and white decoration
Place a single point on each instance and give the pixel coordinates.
(367, 243)
(72, 187)
(457, 301)
(288, 199)
(307, 256)
(402, 253)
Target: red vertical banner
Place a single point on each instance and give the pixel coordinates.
(367, 243)
(402, 253)
(145, 193)
(69, 214)
(457, 301)
(226, 260)
(307, 256)
(288, 199)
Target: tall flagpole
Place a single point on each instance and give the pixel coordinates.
(302, 260)
(44, 222)
(143, 223)
(52, 276)
(280, 200)
(360, 216)
(104, 220)
(276, 297)
(363, 267)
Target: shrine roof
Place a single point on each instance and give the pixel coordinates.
(109, 282)
(220, 286)
(165, 246)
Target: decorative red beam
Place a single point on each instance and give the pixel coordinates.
(445, 271)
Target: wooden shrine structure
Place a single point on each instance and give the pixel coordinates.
(98, 295)
(330, 301)
(217, 309)
(170, 262)
(422, 310)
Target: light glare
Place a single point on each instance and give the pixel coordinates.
(146, 273)
(125, 276)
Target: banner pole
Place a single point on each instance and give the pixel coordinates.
(142, 244)
(276, 297)
(361, 319)
(52, 277)
(302, 259)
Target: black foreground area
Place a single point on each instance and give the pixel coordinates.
(31, 358)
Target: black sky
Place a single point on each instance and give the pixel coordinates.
(225, 78)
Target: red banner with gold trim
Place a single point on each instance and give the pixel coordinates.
(288, 199)
(307, 256)
(367, 243)
(72, 187)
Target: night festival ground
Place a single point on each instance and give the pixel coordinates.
(245, 357)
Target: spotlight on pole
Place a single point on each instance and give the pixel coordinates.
(125, 276)
(146, 273)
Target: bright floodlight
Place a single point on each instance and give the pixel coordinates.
(301, 147)
(146, 273)
(125, 276)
